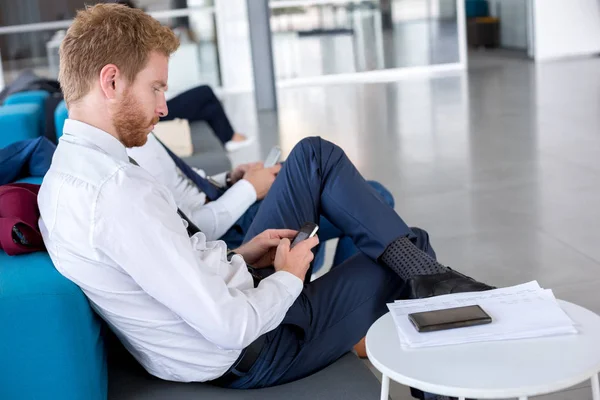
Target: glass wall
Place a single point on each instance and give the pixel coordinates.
(311, 38)
(314, 38)
(27, 49)
(31, 32)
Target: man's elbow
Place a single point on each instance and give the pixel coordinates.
(235, 336)
(230, 340)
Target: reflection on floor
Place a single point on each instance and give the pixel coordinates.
(500, 167)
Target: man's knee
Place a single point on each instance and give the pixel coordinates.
(383, 192)
(204, 91)
(309, 143)
(314, 146)
(304, 148)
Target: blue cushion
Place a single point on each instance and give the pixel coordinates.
(476, 8)
(32, 179)
(20, 122)
(60, 115)
(32, 96)
(31, 157)
(50, 342)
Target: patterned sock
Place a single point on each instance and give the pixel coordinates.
(407, 260)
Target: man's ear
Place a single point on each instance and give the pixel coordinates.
(110, 78)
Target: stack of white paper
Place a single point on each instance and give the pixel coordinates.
(518, 312)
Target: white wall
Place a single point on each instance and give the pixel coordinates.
(154, 5)
(566, 28)
(233, 39)
(446, 9)
(513, 22)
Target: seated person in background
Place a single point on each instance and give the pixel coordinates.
(201, 104)
(185, 308)
(228, 216)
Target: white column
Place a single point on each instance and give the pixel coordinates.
(461, 24)
(233, 41)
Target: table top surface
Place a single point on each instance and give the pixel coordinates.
(489, 370)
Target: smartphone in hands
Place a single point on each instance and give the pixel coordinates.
(307, 231)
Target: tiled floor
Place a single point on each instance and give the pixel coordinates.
(501, 166)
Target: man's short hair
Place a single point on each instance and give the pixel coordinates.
(109, 34)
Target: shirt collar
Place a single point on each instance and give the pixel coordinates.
(97, 137)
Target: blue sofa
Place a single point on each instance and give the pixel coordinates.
(53, 345)
(50, 342)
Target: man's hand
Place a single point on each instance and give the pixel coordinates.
(297, 260)
(239, 171)
(262, 179)
(261, 250)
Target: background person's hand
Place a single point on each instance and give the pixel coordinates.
(297, 260)
(261, 250)
(239, 171)
(262, 179)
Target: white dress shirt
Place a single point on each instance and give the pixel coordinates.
(214, 218)
(175, 302)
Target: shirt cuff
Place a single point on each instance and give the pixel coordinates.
(244, 187)
(291, 282)
(237, 199)
(221, 178)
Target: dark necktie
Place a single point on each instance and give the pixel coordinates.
(211, 191)
(192, 229)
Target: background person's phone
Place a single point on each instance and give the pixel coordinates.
(273, 157)
(450, 318)
(307, 231)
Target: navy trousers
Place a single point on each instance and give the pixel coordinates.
(235, 236)
(201, 104)
(335, 311)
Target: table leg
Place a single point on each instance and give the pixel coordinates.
(385, 388)
(595, 387)
(523, 398)
(461, 398)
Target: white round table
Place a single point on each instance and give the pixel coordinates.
(491, 370)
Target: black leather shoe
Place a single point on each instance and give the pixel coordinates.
(422, 286)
